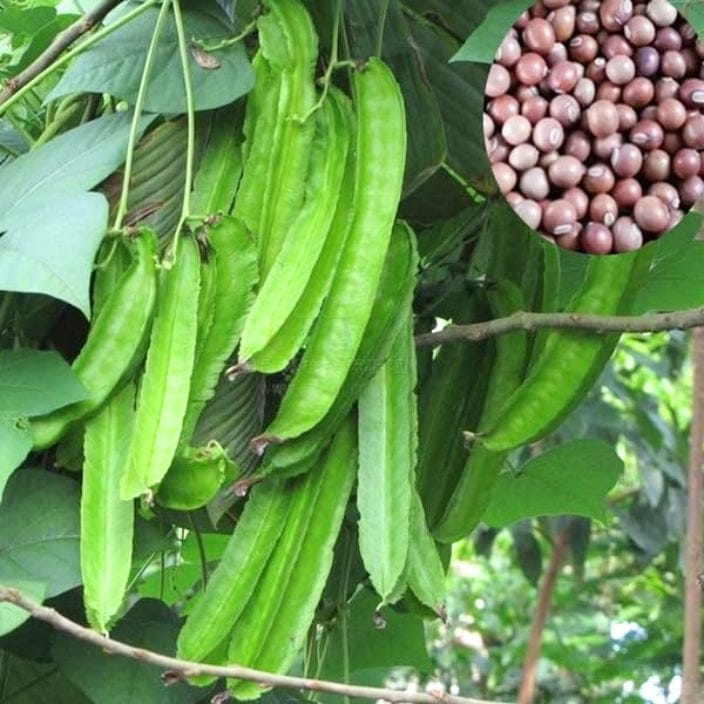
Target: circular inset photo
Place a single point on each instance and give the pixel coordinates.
(594, 121)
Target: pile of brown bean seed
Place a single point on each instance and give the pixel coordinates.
(594, 122)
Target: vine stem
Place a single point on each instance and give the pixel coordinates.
(190, 117)
(139, 103)
(50, 61)
(525, 320)
(178, 670)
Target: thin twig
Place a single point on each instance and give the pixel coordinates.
(523, 320)
(62, 41)
(179, 670)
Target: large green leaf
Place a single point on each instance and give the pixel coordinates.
(15, 445)
(482, 43)
(40, 530)
(28, 682)
(572, 478)
(115, 64)
(52, 227)
(674, 281)
(52, 248)
(33, 383)
(116, 680)
(356, 650)
(12, 616)
(72, 162)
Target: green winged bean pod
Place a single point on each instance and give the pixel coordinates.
(393, 298)
(164, 387)
(235, 579)
(387, 427)
(337, 334)
(280, 150)
(224, 304)
(569, 361)
(107, 522)
(273, 627)
(115, 344)
(291, 271)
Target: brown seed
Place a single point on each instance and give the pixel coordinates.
(596, 239)
(666, 88)
(691, 93)
(647, 134)
(505, 176)
(639, 30)
(587, 23)
(620, 69)
(673, 64)
(615, 45)
(516, 130)
(691, 189)
(626, 192)
(584, 92)
(603, 209)
(578, 145)
(627, 117)
(563, 21)
(534, 108)
(565, 109)
(503, 107)
(539, 35)
(566, 171)
(626, 160)
(651, 214)
(693, 131)
(609, 92)
(603, 147)
(583, 48)
(596, 70)
(614, 14)
(508, 52)
(686, 162)
(524, 156)
(498, 82)
(562, 77)
(548, 134)
(559, 217)
(627, 235)
(667, 193)
(602, 118)
(657, 165)
(530, 212)
(530, 69)
(598, 179)
(671, 114)
(638, 93)
(534, 183)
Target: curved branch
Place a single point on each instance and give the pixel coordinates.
(179, 670)
(524, 320)
(62, 41)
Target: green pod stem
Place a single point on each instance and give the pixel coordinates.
(107, 522)
(337, 334)
(305, 239)
(387, 427)
(235, 579)
(425, 573)
(164, 387)
(193, 479)
(115, 344)
(273, 627)
(471, 494)
(290, 337)
(393, 298)
(223, 303)
(570, 361)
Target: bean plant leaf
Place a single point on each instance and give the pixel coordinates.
(572, 479)
(12, 616)
(115, 64)
(674, 281)
(45, 212)
(359, 652)
(33, 254)
(34, 382)
(114, 680)
(40, 530)
(15, 445)
(30, 682)
(482, 43)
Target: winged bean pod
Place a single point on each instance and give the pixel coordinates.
(387, 456)
(107, 522)
(336, 336)
(115, 344)
(164, 388)
(291, 271)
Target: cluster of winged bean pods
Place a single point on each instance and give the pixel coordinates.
(593, 121)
